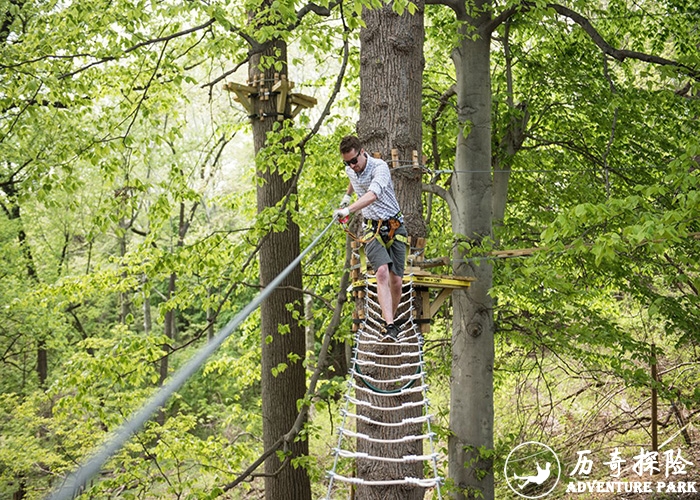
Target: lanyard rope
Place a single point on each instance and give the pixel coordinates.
(364, 239)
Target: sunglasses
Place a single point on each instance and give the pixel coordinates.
(353, 161)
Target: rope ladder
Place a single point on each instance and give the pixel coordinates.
(386, 421)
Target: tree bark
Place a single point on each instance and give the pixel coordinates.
(279, 393)
(391, 77)
(15, 213)
(391, 72)
(471, 398)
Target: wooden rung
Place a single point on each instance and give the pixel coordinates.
(238, 87)
(305, 101)
(243, 93)
(281, 83)
(282, 87)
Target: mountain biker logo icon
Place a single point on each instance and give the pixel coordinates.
(532, 470)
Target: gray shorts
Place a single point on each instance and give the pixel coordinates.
(395, 255)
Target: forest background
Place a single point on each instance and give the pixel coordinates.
(130, 230)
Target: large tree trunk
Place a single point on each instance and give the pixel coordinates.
(471, 401)
(279, 393)
(391, 77)
(390, 118)
(14, 212)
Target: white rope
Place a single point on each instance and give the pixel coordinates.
(384, 342)
(406, 421)
(403, 392)
(367, 456)
(405, 296)
(370, 337)
(423, 483)
(367, 404)
(372, 333)
(402, 378)
(404, 439)
(402, 366)
(387, 356)
(403, 334)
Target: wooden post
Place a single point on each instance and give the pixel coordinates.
(394, 158)
(282, 87)
(425, 311)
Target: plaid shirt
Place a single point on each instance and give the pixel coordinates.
(376, 178)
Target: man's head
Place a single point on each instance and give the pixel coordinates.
(353, 154)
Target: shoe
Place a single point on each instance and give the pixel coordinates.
(391, 332)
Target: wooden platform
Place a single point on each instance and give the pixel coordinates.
(423, 278)
(423, 282)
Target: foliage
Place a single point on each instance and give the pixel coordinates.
(127, 186)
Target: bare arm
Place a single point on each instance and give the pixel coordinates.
(365, 200)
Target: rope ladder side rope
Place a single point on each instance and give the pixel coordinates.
(364, 358)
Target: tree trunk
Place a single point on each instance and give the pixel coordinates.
(391, 77)
(42, 358)
(391, 73)
(471, 400)
(124, 303)
(170, 327)
(168, 331)
(281, 392)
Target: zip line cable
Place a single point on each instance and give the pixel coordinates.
(407, 164)
(74, 483)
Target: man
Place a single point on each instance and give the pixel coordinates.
(371, 180)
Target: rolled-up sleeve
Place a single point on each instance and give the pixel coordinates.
(380, 180)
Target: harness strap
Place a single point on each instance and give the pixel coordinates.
(373, 231)
(369, 236)
(393, 224)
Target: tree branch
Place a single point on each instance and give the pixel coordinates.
(303, 412)
(619, 54)
(585, 24)
(455, 5)
(442, 193)
(257, 47)
(139, 45)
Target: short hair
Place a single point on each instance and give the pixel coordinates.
(348, 143)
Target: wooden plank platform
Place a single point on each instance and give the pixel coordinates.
(427, 279)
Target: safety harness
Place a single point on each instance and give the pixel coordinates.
(386, 230)
(383, 230)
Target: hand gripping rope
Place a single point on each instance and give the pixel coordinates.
(369, 353)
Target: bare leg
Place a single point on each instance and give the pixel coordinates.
(385, 293)
(396, 284)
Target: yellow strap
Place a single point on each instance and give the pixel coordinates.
(397, 237)
(363, 260)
